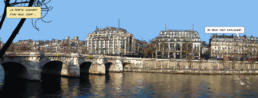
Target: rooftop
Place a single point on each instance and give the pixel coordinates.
(110, 29)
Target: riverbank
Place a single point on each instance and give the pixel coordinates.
(197, 72)
(191, 66)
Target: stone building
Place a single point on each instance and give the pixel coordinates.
(64, 46)
(23, 45)
(178, 44)
(53, 46)
(233, 47)
(111, 41)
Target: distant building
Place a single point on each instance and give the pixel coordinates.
(54, 46)
(178, 44)
(23, 45)
(232, 47)
(111, 41)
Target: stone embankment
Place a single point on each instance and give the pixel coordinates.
(191, 66)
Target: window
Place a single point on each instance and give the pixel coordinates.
(177, 46)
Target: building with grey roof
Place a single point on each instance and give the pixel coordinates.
(233, 47)
(111, 41)
(178, 44)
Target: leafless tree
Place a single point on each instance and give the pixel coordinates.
(188, 53)
(162, 48)
(150, 49)
(22, 3)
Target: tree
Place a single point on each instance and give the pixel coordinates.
(149, 50)
(162, 47)
(140, 46)
(188, 50)
(22, 3)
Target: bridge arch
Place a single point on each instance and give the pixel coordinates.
(125, 63)
(107, 66)
(85, 67)
(52, 68)
(14, 70)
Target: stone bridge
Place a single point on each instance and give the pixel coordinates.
(32, 65)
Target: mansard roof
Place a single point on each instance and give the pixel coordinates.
(232, 38)
(109, 33)
(178, 36)
(110, 29)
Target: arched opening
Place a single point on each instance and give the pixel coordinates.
(125, 63)
(85, 68)
(14, 70)
(51, 77)
(108, 65)
(14, 75)
(52, 68)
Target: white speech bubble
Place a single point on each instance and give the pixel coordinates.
(236, 30)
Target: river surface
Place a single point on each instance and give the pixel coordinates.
(135, 85)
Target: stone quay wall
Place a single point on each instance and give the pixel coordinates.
(191, 66)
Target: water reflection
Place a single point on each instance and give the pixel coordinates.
(85, 86)
(19, 89)
(50, 86)
(115, 84)
(135, 85)
(70, 87)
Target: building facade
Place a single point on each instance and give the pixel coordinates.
(178, 44)
(111, 41)
(233, 47)
(53, 46)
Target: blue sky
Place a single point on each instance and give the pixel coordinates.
(143, 18)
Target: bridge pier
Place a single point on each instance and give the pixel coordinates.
(32, 64)
(73, 71)
(98, 67)
(117, 66)
(34, 72)
(71, 67)
(64, 70)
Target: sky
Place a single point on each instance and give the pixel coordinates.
(143, 18)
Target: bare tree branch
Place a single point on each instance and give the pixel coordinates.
(15, 3)
(6, 2)
(14, 33)
(44, 8)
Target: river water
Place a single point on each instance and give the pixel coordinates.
(136, 85)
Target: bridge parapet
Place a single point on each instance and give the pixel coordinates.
(34, 63)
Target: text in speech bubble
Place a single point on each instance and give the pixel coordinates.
(236, 30)
(23, 12)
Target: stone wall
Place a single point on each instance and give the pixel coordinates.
(191, 66)
(71, 65)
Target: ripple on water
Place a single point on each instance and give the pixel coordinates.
(142, 85)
